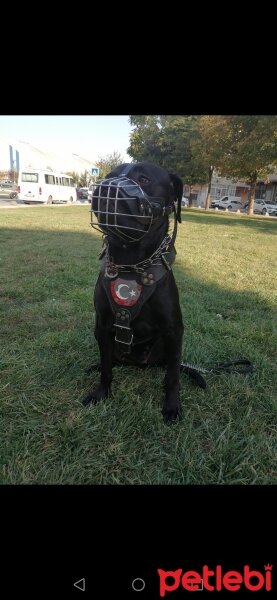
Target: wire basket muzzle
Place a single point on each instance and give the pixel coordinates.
(120, 207)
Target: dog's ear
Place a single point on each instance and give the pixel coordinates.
(178, 193)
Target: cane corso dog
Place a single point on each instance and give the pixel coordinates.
(138, 315)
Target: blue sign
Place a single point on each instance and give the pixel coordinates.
(95, 171)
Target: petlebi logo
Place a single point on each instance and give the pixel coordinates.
(216, 579)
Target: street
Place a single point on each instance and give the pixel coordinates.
(6, 202)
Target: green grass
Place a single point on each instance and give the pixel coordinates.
(226, 274)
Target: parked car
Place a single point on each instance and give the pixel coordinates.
(230, 202)
(263, 206)
(90, 192)
(214, 203)
(83, 193)
(6, 184)
(8, 191)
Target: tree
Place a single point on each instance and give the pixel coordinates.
(84, 178)
(75, 176)
(162, 139)
(13, 175)
(107, 163)
(80, 179)
(209, 146)
(171, 142)
(147, 139)
(250, 149)
(241, 147)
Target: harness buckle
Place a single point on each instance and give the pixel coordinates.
(123, 333)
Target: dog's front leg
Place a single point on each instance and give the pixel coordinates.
(167, 313)
(105, 338)
(173, 344)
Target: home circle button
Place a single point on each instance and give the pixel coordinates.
(138, 584)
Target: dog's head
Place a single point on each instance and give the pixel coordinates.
(133, 197)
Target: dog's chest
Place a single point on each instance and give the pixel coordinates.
(128, 293)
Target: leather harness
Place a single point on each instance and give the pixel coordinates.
(128, 294)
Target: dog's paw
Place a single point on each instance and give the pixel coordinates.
(97, 394)
(170, 415)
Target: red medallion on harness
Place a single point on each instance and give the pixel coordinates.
(125, 292)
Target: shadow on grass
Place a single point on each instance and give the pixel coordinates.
(258, 223)
(41, 265)
(226, 435)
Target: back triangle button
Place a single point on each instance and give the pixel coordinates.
(81, 584)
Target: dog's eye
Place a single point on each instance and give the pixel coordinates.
(144, 180)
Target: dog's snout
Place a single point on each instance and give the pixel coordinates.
(122, 208)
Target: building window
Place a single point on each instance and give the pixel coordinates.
(260, 191)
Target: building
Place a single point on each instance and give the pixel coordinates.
(267, 191)
(23, 155)
(221, 186)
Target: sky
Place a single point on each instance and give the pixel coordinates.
(90, 136)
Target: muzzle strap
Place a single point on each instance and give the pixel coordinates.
(126, 170)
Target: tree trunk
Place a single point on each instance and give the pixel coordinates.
(190, 199)
(252, 190)
(208, 197)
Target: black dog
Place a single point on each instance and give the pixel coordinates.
(138, 315)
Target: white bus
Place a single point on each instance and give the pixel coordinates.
(48, 187)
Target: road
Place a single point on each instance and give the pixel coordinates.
(6, 202)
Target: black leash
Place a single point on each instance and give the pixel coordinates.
(195, 372)
(237, 366)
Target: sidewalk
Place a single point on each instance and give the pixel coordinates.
(8, 203)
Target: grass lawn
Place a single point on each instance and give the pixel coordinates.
(226, 273)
